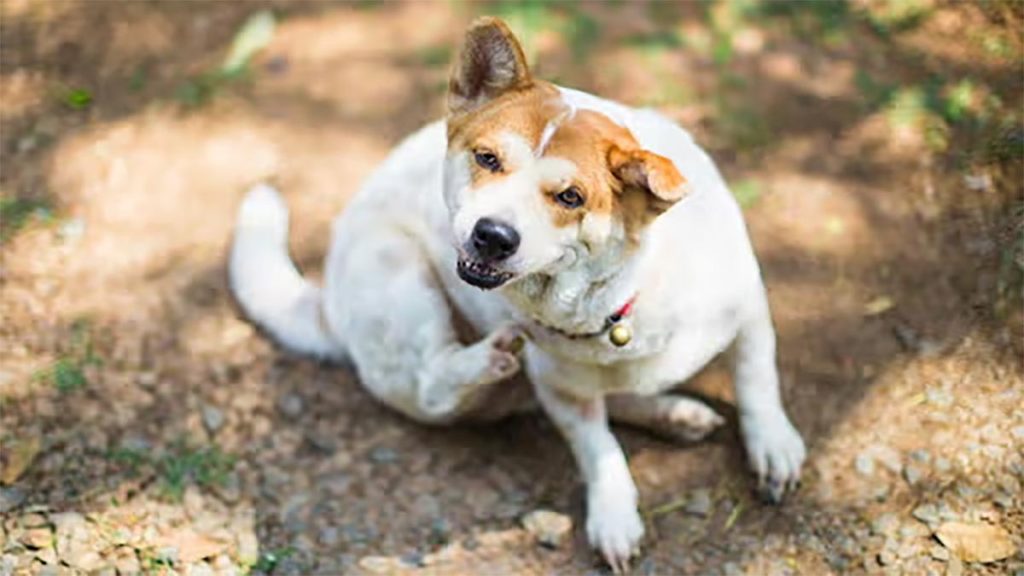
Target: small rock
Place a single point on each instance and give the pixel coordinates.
(864, 464)
(885, 525)
(889, 458)
(939, 553)
(550, 529)
(213, 418)
(37, 538)
(955, 567)
(939, 397)
(700, 503)
(146, 379)
(329, 536)
(943, 465)
(922, 456)
(290, 405)
(440, 531)
(383, 455)
(10, 498)
(927, 513)
(976, 542)
(72, 229)
(913, 473)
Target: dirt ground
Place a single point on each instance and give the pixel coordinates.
(146, 427)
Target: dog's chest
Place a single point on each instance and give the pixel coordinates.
(666, 349)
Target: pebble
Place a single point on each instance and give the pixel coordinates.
(213, 418)
(938, 552)
(440, 531)
(889, 458)
(329, 536)
(700, 503)
(885, 525)
(927, 513)
(37, 538)
(383, 455)
(290, 405)
(913, 473)
(10, 498)
(549, 528)
(864, 464)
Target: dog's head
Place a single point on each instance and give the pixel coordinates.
(533, 185)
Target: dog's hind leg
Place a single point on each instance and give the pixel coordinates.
(668, 415)
(385, 300)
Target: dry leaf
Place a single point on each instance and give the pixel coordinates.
(976, 542)
(878, 305)
(192, 546)
(20, 456)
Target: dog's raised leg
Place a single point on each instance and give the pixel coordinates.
(398, 331)
(671, 416)
(774, 447)
(614, 526)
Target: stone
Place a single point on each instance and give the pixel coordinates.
(37, 538)
(913, 473)
(213, 418)
(927, 513)
(383, 455)
(10, 498)
(864, 464)
(976, 541)
(885, 525)
(548, 528)
(700, 503)
(290, 405)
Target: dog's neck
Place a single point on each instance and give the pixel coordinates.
(580, 297)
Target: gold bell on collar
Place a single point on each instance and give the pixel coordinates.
(620, 335)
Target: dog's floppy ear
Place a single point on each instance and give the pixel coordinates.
(490, 64)
(650, 184)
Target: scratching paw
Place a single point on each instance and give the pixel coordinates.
(505, 345)
(775, 452)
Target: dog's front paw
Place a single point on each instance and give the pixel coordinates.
(614, 526)
(776, 453)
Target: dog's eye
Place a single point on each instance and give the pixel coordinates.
(570, 197)
(487, 160)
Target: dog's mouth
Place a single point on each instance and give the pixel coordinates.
(481, 275)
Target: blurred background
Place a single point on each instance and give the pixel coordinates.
(876, 147)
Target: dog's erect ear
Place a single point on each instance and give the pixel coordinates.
(651, 184)
(490, 64)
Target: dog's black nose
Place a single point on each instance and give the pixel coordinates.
(494, 240)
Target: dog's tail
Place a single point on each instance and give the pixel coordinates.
(266, 283)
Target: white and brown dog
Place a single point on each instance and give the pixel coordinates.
(599, 239)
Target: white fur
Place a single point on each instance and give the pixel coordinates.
(391, 282)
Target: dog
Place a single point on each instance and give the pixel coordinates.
(590, 245)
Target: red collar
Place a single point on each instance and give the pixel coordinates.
(609, 322)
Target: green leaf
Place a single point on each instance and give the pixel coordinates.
(252, 37)
(77, 98)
